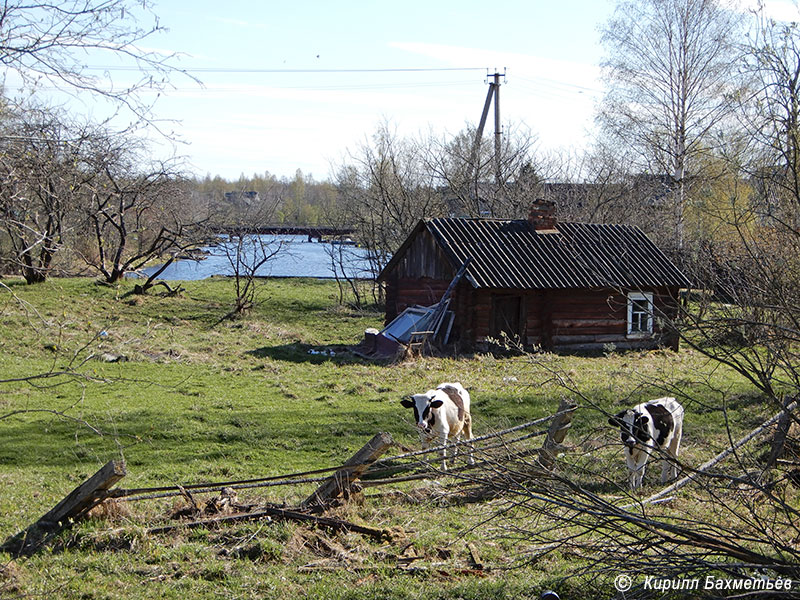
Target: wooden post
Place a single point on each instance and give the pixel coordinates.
(80, 501)
(779, 439)
(84, 497)
(339, 483)
(557, 432)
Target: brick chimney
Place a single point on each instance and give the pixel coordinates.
(543, 215)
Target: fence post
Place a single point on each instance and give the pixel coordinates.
(80, 501)
(557, 432)
(339, 483)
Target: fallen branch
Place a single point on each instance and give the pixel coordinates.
(281, 513)
(719, 457)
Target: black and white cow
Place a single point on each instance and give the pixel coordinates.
(442, 414)
(654, 425)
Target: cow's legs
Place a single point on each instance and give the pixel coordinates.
(443, 444)
(468, 436)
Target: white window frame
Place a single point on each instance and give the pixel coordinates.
(638, 297)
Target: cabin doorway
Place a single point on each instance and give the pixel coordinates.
(506, 320)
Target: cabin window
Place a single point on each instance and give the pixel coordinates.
(640, 314)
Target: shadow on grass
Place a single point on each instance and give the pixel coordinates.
(309, 354)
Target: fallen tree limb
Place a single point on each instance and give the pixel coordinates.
(280, 513)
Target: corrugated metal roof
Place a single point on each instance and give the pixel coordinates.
(511, 254)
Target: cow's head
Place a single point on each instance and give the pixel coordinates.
(423, 405)
(633, 427)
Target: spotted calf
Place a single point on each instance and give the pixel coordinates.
(442, 414)
(654, 425)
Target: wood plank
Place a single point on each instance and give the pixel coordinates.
(339, 483)
(82, 499)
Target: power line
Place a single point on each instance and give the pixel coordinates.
(212, 89)
(236, 70)
(555, 83)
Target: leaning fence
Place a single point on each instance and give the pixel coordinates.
(367, 468)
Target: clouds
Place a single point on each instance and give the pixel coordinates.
(269, 103)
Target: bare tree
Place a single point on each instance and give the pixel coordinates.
(384, 190)
(136, 212)
(468, 179)
(770, 115)
(41, 173)
(669, 68)
(246, 249)
(50, 41)
(747, 315)
(356, 284)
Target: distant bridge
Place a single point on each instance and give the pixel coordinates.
(312, 233)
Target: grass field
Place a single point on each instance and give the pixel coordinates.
(190, 397)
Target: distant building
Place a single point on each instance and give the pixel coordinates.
(242, 199)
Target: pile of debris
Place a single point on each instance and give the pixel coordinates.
(416, 328)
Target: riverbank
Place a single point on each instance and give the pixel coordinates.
(293, 256)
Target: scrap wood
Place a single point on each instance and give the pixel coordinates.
(474, 557)
(269, 512)
(320, 545)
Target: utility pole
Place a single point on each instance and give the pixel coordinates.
(494, 92)
(497, 129)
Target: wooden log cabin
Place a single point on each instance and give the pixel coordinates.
(542, 283)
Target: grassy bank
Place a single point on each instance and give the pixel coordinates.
(184, 396)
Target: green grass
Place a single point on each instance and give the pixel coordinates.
(198, 398)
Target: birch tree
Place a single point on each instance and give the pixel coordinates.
(670, 70)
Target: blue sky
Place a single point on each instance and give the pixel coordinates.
(294, 85)
(280, 121)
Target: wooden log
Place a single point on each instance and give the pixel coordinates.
(79, 502)
(557, 432)
(339, 484)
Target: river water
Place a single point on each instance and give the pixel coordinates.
(295, 257)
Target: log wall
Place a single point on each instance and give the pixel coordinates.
(580, 319)
(551, 319)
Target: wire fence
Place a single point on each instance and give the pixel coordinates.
(414, 460)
